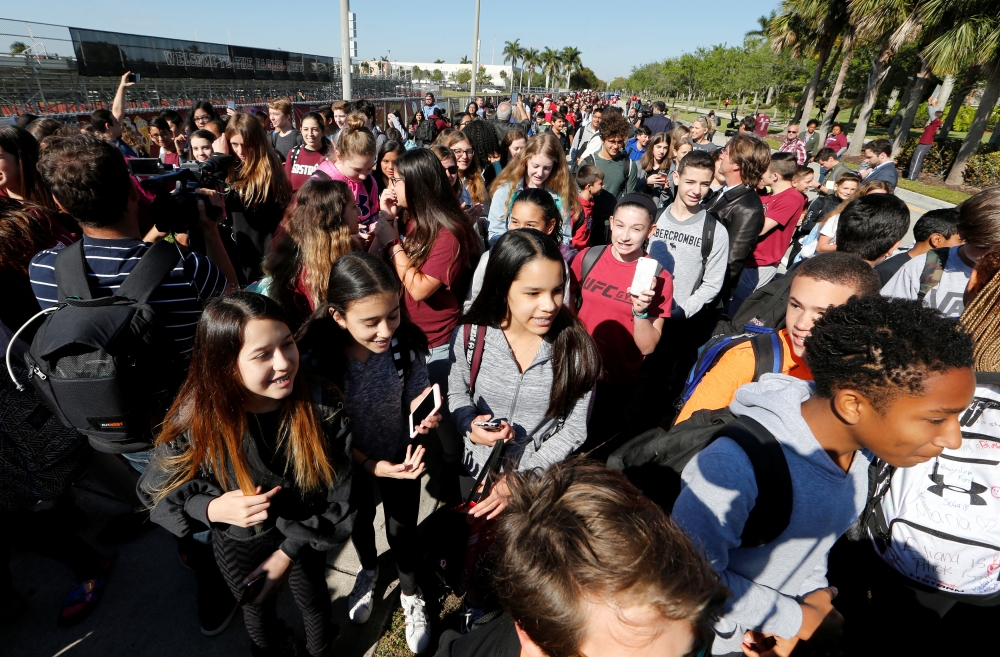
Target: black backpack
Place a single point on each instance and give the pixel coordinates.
(427, 131)
(654, 460)
(98, 363)
(764, 308)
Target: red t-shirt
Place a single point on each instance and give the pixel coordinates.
(785, 208)
(607, 312)
(928, 137)
(437, 315)
(836, 142)
(305, 166)
(173, 159)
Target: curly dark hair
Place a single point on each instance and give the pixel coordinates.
(883, 348)
(614, 126)
(483, 138)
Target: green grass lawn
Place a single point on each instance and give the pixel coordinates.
(940, 193)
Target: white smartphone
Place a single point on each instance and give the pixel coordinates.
(429, 405)
(645, 271)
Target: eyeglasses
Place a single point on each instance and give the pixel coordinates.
(393, 180)
(459, 152)
(453, 169)
(202, 117)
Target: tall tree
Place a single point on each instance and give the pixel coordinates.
(530, 59)
(829, 115)
(571, 62)
(550, 64)
(512, 53)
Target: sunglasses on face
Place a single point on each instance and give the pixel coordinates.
(453, 169)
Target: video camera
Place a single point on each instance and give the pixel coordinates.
(175, 204)
(733, 126)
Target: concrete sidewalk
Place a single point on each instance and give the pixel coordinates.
(148, 609)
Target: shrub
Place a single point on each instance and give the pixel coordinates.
(983, 170)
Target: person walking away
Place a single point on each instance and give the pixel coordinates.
(924, 145)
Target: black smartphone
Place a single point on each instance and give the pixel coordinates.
(253, 589)
(133, 77)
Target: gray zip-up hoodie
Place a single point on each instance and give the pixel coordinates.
(719, 491)
(521, 399)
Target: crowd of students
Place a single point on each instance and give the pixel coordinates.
(350, 268)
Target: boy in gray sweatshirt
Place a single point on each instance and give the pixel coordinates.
(891, 379)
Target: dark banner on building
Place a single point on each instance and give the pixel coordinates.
(112, 53)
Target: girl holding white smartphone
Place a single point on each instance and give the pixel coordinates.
(360, 340)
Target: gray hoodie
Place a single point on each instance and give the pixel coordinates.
(519, 398)
(719, 491)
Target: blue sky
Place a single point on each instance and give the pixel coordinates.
(425, 31)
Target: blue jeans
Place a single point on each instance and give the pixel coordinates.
(139, 460)
(751, 279)
(438, 367)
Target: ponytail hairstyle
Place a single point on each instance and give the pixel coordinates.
(444, 153)
(354, 139)
(980, 318)
(432, 206)
(354, 277)
(576, 363)
(560, 180)
(210, 408)
(542, 200)
(472, 177)
(260, 175)
(24, 147)
(314, 236)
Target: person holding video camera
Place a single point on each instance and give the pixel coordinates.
(260, 192)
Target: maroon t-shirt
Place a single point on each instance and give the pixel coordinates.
(437, 315)
(927, 137)
(304, 167)
(785, 208)
(607, 312)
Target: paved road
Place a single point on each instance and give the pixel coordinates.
(149, 606)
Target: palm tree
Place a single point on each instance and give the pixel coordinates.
(571, 62)
(850, 40)
(550, 64)
(974, 40)
(890, 23)
(763, 33)
(531, 58)
(465, 60)
(512, 53)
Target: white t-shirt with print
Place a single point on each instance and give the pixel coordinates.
(946, 296)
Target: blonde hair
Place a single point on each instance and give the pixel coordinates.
(355, 138)
(864, 189)
(472, 177)
(560, 180)
(260, 176)
(281, 105)
(980, 318)
(314, 235)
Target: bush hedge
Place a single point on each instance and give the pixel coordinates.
(982, 170)
(963, 120)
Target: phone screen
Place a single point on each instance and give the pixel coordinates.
(231, 105)
(422, 411)
(513, 98)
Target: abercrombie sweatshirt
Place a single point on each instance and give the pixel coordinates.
(520, 398)
(719, 491)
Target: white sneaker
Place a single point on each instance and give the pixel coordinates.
(359, 602)
(418, 629)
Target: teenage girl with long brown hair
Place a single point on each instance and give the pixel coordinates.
(260, 192)
(253, 450)
(316, 232)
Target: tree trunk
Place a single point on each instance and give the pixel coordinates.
(893, 97)
(968, 83)
(838, 86)
(978, 127)
(880, 68)
(903, 100)
(770, 95)
(995, 139)
(920, 85)
(810, 91)
(945, 92)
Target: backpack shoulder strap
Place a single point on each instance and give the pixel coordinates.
(707, 240)
(768, 354)
(295, 154)
(475, 344)
(626, 167)
(397, 358)
(933, 270)
(590, 259)
(71, 272)
(153, 267)
(772, 510)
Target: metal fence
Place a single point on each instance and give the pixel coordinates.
(39, 74)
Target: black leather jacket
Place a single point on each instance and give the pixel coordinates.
(742, 213)
(319, 520)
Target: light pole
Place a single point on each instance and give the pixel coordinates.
(345, 48)
(475, 53)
